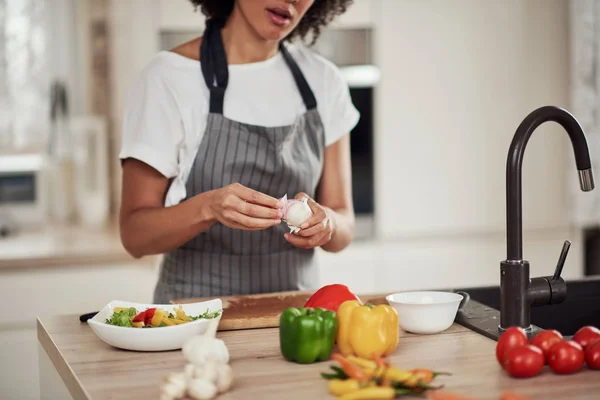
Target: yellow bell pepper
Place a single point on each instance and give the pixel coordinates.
(364, 330)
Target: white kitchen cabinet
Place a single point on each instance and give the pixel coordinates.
(72, 289)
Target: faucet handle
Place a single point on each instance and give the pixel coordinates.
(561, 260)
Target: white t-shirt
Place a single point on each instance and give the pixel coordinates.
(168, 104)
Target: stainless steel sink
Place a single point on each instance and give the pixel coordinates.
(581, 307)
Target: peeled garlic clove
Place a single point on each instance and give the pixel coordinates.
(177, 378)
(172, 390)
(295, 212)
(201, 389)
(224, 377)
(189, 370)
(207, 372)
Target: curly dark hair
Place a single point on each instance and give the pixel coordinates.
(319, 15)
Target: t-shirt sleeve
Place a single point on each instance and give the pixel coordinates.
(152, 129)
(341, 116)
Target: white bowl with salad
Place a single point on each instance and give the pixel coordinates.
(153, 327)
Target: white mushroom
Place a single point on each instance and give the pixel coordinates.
(201, 389)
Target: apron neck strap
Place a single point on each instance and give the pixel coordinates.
(213, 62)
(307, 94)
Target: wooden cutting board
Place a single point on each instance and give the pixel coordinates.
(263, 310)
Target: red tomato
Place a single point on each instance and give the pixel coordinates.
(524, 362)
(511, 338)
(566, 357)
(586, 335)
(545, 340)
(592, 354)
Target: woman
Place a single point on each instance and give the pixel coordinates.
(216, 131)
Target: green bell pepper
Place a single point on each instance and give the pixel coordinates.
(307, 335)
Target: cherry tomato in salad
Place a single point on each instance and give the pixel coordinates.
(524, 361)
(512, 338)
(545, 340)
(566, 357)
(586, 335)
(592, 355)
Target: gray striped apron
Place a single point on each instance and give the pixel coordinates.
(273, 160)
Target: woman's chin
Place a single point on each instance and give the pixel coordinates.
(273, 33)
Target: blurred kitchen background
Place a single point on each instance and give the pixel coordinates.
(441, 86)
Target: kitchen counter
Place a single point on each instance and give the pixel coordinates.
(73, 358)
(62, 246)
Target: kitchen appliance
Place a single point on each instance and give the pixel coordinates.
(90, 173)
(23, 198)
(350, 49)
(59, 165)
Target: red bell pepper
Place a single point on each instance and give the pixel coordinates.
(330, 297)
(140, 317)
(149, 315)
(144, 316)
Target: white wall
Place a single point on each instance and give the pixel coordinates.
(457, 79)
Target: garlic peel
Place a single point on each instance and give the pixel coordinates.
(295, 212)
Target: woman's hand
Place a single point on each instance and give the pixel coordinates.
(239, 207)
(317, 230)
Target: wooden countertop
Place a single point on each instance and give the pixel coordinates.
(62, 246)
(93, 370)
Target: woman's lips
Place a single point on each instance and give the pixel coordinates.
(279, 17)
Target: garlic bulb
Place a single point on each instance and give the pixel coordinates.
(200, 349)
(207, 372)
(295, 212)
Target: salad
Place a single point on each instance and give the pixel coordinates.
(154, 317)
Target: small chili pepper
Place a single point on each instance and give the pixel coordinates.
(427, 375)
(398, 375)
(342, 386)
(362, 362)
(380, 361)
(350, 369)
(381, 393)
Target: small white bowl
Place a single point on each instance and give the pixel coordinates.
(426, 312)
(152, 339)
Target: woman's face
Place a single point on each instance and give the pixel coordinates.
(273, 19)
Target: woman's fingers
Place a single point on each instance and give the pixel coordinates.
(249, 222)
(308, 242)
(255, 197)
(319, 217)
(232, 202)
(315, 229)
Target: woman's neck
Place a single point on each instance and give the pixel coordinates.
(242, 43)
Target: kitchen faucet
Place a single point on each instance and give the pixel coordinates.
(517, 291)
